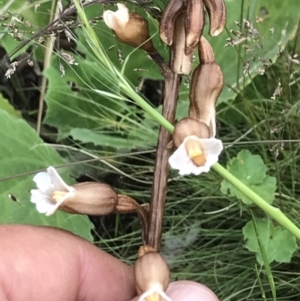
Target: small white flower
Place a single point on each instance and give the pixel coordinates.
(52, 191)
(205, 152)
(117, 19)
(155, 293)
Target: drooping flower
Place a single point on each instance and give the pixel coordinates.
(196, 155)
(206, 86)
(217, 16)
(130, 28)
(83, 198)
(167, 22)
(180, 62)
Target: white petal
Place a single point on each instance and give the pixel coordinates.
(113, 20)
(44, 207)
(43, 181)
(122, 13)
(36, 195)
(58, 183)
(53, 209)
(212, 146)
(41, 200)
(109, 19)
(152, 290)
(180, 160)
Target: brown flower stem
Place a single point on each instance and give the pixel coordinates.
(161, 169)
(158, 59)
(126, 204)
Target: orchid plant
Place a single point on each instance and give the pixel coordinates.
(195, 148)
(194, 136)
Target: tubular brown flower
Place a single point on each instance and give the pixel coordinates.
(180, 62)
(217, 14)
(91, 198)
(206, 86)
(167, 23)
(194, 24)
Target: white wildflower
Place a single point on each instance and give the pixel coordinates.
(196, 155)
(52, 191)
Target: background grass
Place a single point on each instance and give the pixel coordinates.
(202, 238)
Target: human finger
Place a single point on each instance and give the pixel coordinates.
(42, 263)
(189, 291)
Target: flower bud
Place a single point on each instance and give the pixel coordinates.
(217, 15)
(152, 276)
(166, 26)
(130, 28)
(194, 24)
(206, 86)
(180, 62)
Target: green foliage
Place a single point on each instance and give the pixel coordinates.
(96, 104)
(23, 152)
(255, 48)
(278, 243)
(251, 170)
(7, 107)
(265, 261)
(256, 45)
(25, 17)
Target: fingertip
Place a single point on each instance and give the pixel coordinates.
(185, 290)
(74, 269)
(104, 277)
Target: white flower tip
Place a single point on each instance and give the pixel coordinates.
(108, 18)
(52, 191)
(122, 6)
(50, 212)
(57, 182)
(51, 169)
(114, 19)
(154, 294)
(42, 181)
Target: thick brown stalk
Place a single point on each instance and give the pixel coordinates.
(161, 169)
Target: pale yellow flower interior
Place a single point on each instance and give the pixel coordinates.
(195, 151)
(154, 297)
(58, 195)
